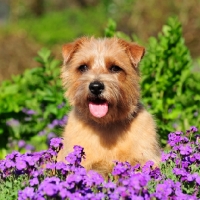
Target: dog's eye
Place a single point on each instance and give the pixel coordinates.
(115, 69)
(83, 68)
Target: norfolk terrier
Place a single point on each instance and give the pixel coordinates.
(101, 78)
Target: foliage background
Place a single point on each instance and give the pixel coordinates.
(32, 107)
(27, 26)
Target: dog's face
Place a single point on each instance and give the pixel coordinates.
(101, 78)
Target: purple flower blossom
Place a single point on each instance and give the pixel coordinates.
(41, 133)
(185, 150)
(20, 163)
(58, 122)
(21, 143)
(56, 143)
(93, 178)
(27, 193)
(29, 159)
(165, 156)
(121, 168)
(50, 189)
(198, 180)
(29, 147)
(9, 164)
(51, 135)
(164, 190)
(194, 129)
(13, 155)
(109, 185)
(58, 180)
(180, 172)
(61, 105)
(28, 111)
(12, 122)
(76, 156)
(34, 182)
(50, 166)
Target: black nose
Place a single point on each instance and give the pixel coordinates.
(96, 87)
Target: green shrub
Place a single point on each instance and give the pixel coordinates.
(169, 88)
(29, 103)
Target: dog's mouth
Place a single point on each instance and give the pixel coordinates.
(98, 107)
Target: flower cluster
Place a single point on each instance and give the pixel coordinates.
(40, 176)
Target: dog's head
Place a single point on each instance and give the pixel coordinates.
(101, 77)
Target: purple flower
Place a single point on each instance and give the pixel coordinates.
(29, 147)
(29, 159)
(185, 150)
(198, 180)
(109, 185)
(28, 112)
(50, 189)
(163, 191)
(194, 129)
(179, 172)
(197, 156)
(93, 178)
(27, 193)
(49, 186)
(13, 155)
(54, 123)
(61, 105)
(56, 142)
(165, 156)
(50, 166)
(146, 169)
(121, 168)
(73, 180)
(50, 136)
(63, 168)
(63, 121)
(41, 133)
(76, 156)
(58, 122)
(20, 163)
(63, 192)
(12, 122)
(179, 133)
(9, 164)
(21, 143)
(37, 173)
(34, 182)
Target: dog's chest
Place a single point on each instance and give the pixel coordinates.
(100, 147)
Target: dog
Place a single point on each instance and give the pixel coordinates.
(101, 78)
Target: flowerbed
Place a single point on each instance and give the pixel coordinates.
(22, 175)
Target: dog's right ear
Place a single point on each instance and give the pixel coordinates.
(69, 49)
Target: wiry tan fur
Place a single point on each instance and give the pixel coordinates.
(127, 132)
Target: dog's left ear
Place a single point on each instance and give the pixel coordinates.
(134, 51)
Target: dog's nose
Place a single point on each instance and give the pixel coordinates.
(96, 87)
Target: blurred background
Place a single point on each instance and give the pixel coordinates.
(27, 26)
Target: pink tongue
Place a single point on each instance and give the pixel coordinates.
(98, 110)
